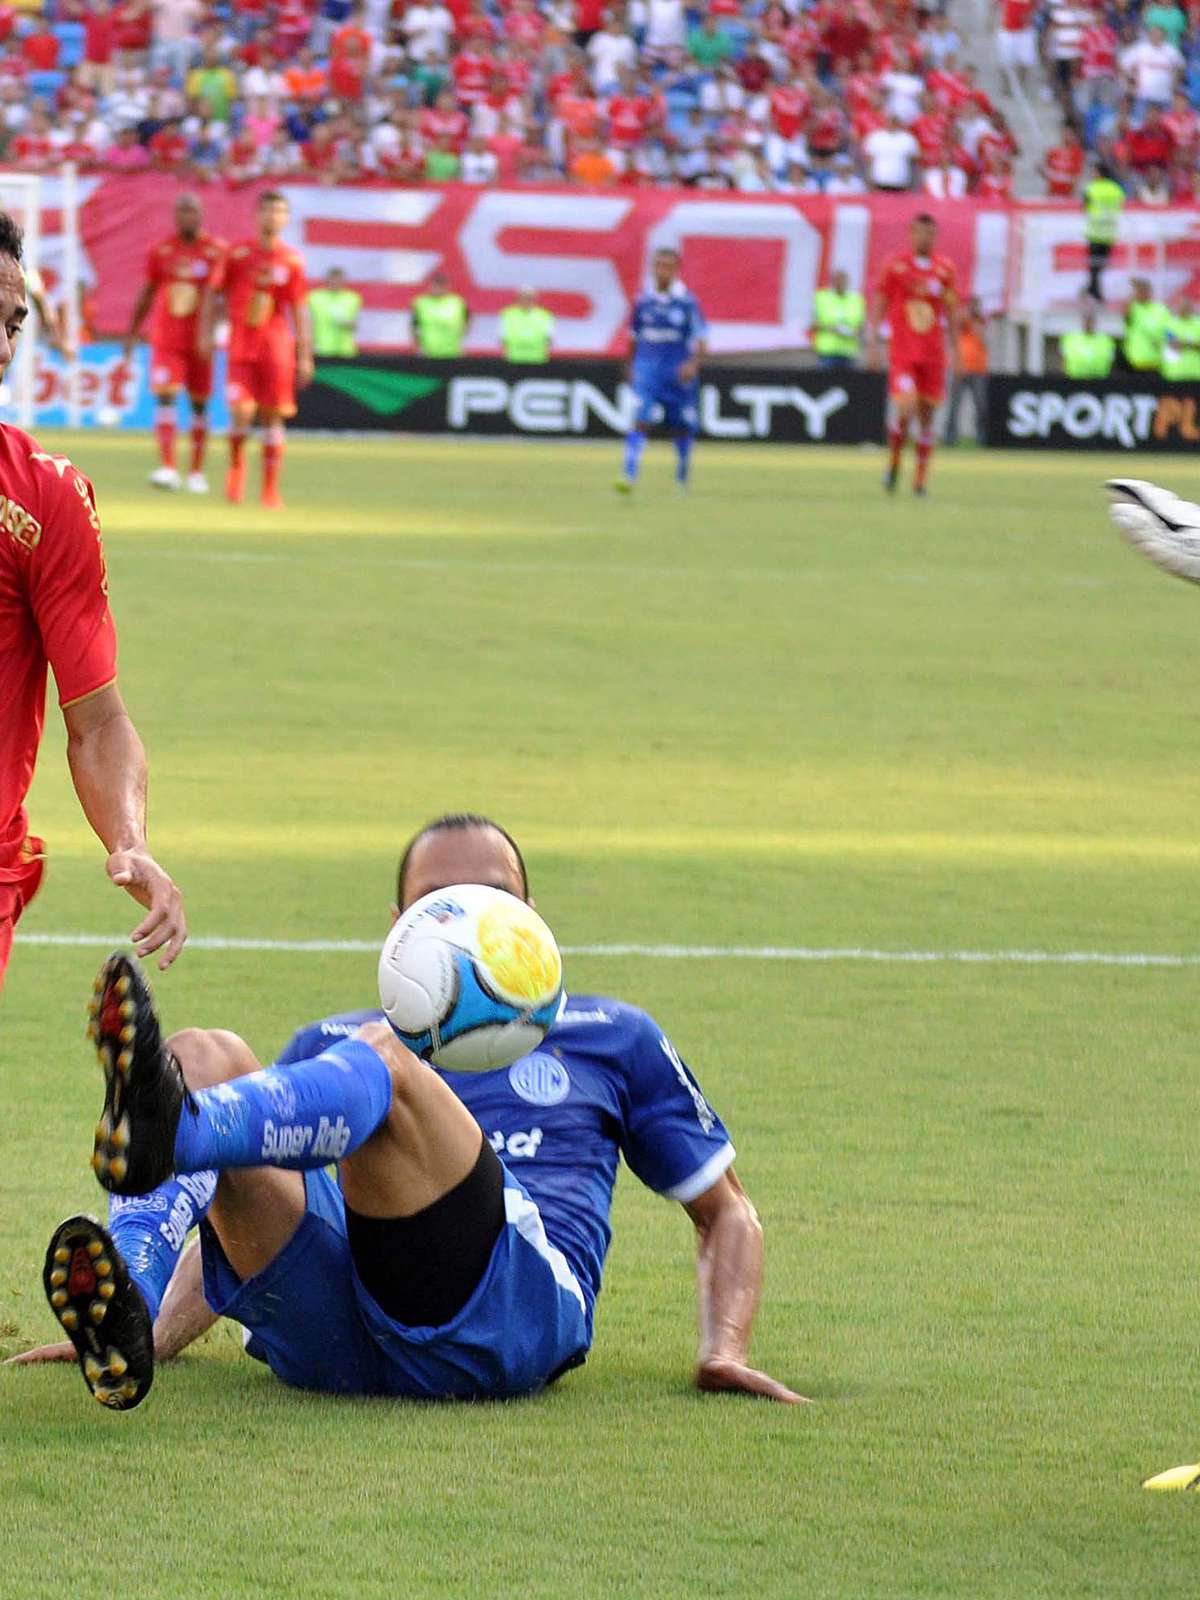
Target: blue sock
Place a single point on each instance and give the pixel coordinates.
(150, 1229)
(635, 443)
(300, 1117)
(683, 453)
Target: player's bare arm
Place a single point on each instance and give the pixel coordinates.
(108, 768)
(304, 349)
(690, 370)
(141, 310)
(729, 1267)
(874, 323)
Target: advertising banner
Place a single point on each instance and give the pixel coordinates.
(1133, 413)
(113, 391)
(585, 400)
(753, 260)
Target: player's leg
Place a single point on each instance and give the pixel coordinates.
(271, 422)
(635, 440)
(682, 416)
(199, 390)
(242, 407)
(903, 398)
(926, 412)
(166, 383)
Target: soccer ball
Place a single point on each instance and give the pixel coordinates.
(470, 978)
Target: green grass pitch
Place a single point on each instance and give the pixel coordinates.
(782, 712)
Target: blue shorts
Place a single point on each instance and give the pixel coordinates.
(663, 402)
(310, 1319)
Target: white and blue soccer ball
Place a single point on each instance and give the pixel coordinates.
(470, 978)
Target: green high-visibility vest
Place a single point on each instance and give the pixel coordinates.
(1182, 366)
(334, 314)
(837, 319)
(526, 332)
(1146, 324)
(439, 322)
(1087, 355)
(1103, 202)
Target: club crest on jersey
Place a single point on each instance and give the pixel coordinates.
(540, 1079)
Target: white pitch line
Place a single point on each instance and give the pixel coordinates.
(686, 952)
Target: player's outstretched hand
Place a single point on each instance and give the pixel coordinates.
(164, 927)
(44, 1352)
(719, 1375)
(1164, 528)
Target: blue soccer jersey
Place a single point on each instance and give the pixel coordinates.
(666, 331)
(605, 1082)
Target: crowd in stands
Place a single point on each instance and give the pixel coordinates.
(837, 97)
(1127, 78)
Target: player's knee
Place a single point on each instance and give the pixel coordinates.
(211, 1055)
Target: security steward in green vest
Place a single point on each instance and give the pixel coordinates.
(526, 330)
(333, 310)
(1103, 202)
(1086, 353)
(439, 319)
(1146, 324)
(1181, 358)
(839, 314)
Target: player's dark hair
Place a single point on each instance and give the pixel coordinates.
(926, 216)
(12, 240)
(454, 822)
(271, 196)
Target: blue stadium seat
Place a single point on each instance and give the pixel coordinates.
(45, 85)
(70, 36)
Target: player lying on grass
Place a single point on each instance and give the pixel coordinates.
(459, 1251)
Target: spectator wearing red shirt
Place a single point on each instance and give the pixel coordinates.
(589, 19)
(826, 129)
(33, 149)
(791, 105)
(1183, 124)
(930, 128)
(475, 27)
(524, 24)
(1062, 166)
(242, 160)
(169, 148)
(40, 49)
(1151, 144)
(131, 24)
(628, 115)
(995, 182)
(471, 70)
(444, 120)
(753, 70)
(1016, 43)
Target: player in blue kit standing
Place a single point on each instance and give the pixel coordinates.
(666, 334)
(459, 1250)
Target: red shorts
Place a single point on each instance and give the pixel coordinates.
(15, 896)
(925, 379)
(181, 369)
(269, 383)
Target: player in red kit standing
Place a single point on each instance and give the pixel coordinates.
(179, 275)
(917, 294)
(54, 612)
(270, 344)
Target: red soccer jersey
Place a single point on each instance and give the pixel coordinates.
(918, 295)
(472, 75)
(1064, 164)
(929, 130)
(180, 270)
(995, 184)
(53, 610)
(1017, 15)
(628, 116)
(790, 105)
(41, 51)
(435, 125)
(1184, 128)
(258, 285)
(1098, 45)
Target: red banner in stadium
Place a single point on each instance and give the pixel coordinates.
(754, 261)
